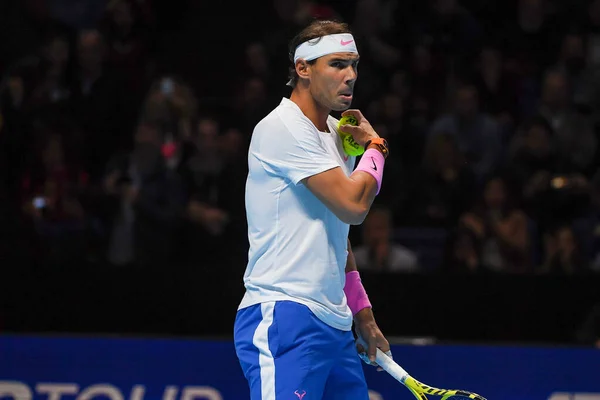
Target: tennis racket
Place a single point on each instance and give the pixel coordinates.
(418, 389)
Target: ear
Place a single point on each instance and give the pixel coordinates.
(302, 69)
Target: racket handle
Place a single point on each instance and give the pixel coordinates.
(390, 366)
(387, 363)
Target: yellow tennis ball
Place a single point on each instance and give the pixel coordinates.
(350, 146)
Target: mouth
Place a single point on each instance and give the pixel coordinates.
(346, 96)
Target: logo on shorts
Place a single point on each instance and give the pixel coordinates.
(300, 395)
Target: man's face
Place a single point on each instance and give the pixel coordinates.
(554, 91)
(332, 79)
(466, 102)
(377, 228)
(91, 50)
(538, 141)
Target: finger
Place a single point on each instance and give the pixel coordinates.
(351, 129)
(360, 348)
(372, 351)
(384, 345)
(355, 113)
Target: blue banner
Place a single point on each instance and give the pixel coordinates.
(59, 368)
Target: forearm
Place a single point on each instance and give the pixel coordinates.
(350, 261)
(364, 190)
(356, 295)
(367, 180)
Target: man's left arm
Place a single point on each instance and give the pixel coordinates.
(358, 301)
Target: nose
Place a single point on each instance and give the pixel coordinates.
(351, 77)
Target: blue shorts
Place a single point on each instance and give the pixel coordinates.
(287, 353)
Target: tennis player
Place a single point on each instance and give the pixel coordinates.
(293, 329)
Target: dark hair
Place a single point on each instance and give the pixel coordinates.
(535, 121)
(315, 30)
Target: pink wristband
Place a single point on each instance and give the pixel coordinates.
(356, 295)
(372, 162)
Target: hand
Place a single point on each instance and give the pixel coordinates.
(538, 182)
(110, 182)
(367, 329)
(361, 133)
(579, 181)
(215, 221)
(130, 193)
(473, 223)
(212, 218)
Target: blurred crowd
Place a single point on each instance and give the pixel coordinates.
(114, 153)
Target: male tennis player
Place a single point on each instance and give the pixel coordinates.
(293, 330)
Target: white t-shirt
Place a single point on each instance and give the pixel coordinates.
(298, 247)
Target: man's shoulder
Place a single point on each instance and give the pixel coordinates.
(286, 117)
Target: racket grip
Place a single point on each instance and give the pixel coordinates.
(390, 366)
(387, 363)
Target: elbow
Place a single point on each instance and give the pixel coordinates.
(356, 216)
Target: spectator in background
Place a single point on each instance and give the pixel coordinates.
(563, 254)
(452, 31)
(496, 87)
(15, 128)
(208, 221)
(588, 333)
(171, 104)
(251, 103)
(583, 82)
(529, 39)
(478, 136)
(99, 104)
(149, 204)
(128, 28)
(77, 14)
(259, 65)
(587, 227)
(50, 199)
(533, 152)
(54, 84)
(388, 111)
(463, 253)
(444, 185)
(591, 31)
(376, 30)
(378, 252)
(428, 78)
(501, 229)
(379, 44)
(419, 105)
(551, 186)
(574, 136)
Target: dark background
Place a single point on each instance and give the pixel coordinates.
(124, 127)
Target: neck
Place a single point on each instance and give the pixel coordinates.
(313, 111)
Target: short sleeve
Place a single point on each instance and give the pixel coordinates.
(292, 150)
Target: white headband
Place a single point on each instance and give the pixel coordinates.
(315, 48)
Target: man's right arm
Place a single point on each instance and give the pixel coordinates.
(348, 197)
